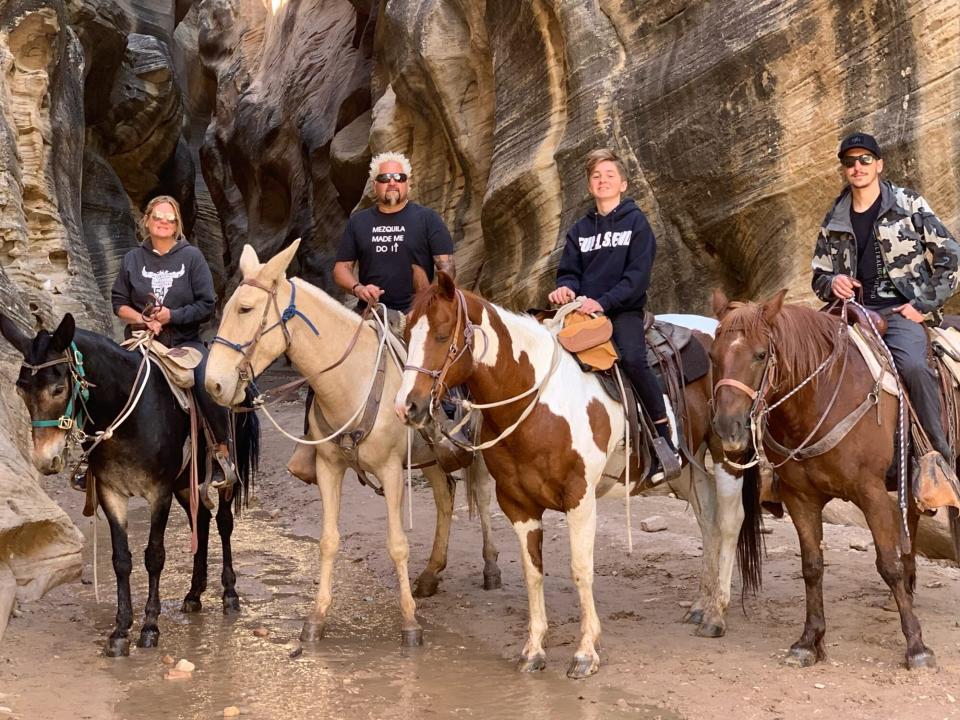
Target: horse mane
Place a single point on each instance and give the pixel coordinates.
(428, 296)
(802, 337)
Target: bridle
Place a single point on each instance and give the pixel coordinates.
(454, 353)
(75, 414)
(291, 311)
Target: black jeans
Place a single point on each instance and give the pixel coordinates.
(217, 416)
(907, 341)
(631, 344)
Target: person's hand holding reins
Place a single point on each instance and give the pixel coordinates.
(370, 294)
(562, 295)
(843, 286)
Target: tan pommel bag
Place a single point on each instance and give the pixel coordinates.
(589, 339)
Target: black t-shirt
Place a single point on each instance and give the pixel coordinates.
(386, 245)
(878, 290)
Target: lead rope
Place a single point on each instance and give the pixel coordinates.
(626, 478)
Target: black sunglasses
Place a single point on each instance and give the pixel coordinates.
(849, 161)
(387, 177)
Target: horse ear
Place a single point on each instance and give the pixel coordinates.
(63, 335)
(14, 335)
(249, 262)
(721, 303)
(772, 305)
(420, 279)
(447, 287)
(277, 265)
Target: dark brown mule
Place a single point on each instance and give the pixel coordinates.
(556, 430)
(786, 344)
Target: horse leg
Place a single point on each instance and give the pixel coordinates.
(884, 525)
(410, 631)
(444, 491)
(198, 580)
(909, 560)
(728, 516)
(582, 522)
(154, 558)
(330, 481)
(529, 532)
(807, 516)
(702, 498)
(228, 578)
(115, 508)
(482, 485)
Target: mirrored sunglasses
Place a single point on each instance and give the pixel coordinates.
(166, 217)
(387, 177)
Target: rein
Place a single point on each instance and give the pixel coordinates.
(453, 355)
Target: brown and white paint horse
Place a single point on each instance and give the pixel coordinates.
(555, 458)
(252, 323)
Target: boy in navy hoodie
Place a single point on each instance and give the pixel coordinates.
(607, 258)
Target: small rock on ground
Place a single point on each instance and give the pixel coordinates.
(654, 523)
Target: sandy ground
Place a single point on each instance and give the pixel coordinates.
(51, 664)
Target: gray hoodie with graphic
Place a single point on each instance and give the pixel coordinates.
(180, 280)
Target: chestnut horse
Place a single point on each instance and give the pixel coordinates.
(554, 441)
(314, 331)
(762, 353)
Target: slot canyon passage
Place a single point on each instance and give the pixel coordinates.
(260, 117)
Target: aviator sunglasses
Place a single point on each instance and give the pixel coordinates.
(167, 217)
(387, 177)
(849, 161)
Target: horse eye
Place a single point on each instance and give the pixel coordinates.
(442, 338)
(244, 310)
(59, 390)
(761, 355)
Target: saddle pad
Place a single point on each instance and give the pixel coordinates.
(949, 340)
(179, 393)
(694, 360)
(889, 383)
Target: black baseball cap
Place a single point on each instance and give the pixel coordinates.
(859, 140)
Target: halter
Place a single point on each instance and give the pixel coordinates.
(454, 353)
(75, 414)
(246, 349)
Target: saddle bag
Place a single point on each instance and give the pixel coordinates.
(589, 338)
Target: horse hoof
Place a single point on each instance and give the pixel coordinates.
(191, 606)
(694, 617)
(800, 657)
(583, 666)
(231, 605)
(924, 660)
(533, 663)
(710, 630)
(312, 632)
(492, 581)
(411, 638)
(149, 638)
(117, 647)
(426, 585)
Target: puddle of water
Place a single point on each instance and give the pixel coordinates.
(357, 672)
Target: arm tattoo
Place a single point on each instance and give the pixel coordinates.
(445, 263)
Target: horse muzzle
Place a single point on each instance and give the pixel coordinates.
(49, 454)
(413, 411)
(225, 392)
(733, 431)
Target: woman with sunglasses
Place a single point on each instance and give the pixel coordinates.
(883, 244)
(165, 284)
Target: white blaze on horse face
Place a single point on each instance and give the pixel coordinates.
(415, 354)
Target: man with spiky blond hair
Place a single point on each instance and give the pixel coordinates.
(383, 242)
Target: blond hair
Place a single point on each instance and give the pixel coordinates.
(595, 157)
(159, 200)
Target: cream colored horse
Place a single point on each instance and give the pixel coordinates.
(314, 334)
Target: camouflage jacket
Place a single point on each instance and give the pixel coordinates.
(920, 255)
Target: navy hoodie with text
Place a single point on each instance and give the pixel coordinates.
(609, 258)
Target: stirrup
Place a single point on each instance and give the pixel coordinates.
(78, 479)
(666, 463)
(229, 478)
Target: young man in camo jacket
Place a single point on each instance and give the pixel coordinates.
(884, 244)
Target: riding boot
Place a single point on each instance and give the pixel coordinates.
(224, 472)
(78, 480)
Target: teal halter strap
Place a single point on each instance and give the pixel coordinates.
(75, 414)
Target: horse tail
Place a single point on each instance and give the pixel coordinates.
(473, 476)
(750, 544)
(306, 410)
(247, 453)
